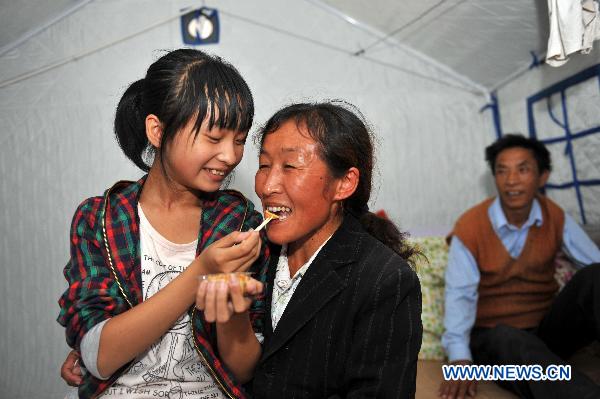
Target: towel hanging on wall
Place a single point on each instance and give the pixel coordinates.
(574, 25)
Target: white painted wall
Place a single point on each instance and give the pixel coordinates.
(58, 147)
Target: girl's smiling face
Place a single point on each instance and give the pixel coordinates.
(295, 183)
(202, 161)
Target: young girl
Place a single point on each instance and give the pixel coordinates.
(136, 251)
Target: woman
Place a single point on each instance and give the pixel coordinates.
(343, 306)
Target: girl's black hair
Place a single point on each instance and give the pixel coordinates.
(344, 141)
(181, 85)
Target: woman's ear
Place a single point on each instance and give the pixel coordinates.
(346, 185)
(153, 130)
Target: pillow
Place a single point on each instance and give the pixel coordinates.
(431, 273)
(564, 269)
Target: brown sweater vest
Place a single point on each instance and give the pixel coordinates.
(516, 292)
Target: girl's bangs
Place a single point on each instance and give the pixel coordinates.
(225, 100)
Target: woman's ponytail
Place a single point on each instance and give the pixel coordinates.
(386, 231)
(130, 125)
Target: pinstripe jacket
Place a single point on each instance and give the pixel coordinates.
(352, 329)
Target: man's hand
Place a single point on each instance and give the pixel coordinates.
(458, 389)
(70, 370)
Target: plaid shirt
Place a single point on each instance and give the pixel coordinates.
(104, 272)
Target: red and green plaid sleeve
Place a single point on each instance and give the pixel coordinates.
(92, 295)
(230, 212)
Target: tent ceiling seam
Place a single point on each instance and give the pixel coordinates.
(517, 73)
(86, 53)
(83, 54)
(403, 27)
(394, 42)
(467, 88)
(34, 32)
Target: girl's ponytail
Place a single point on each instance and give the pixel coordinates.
(130, 125)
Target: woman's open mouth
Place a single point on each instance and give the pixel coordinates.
(281, 211)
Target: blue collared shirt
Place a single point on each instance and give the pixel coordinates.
(462, 273)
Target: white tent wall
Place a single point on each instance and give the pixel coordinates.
(583, 112)
(58, 147)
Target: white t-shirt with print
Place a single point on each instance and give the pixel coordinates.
(171, 367)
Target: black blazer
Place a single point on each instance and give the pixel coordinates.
(352, 329)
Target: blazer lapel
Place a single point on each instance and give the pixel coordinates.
(271, 271)
(322, 282)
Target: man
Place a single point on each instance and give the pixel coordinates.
(502, 305)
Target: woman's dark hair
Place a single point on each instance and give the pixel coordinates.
(181, 85)
(539, 150)
(344, 141)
